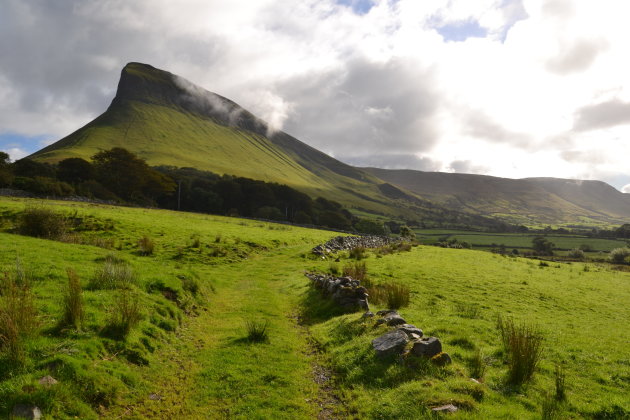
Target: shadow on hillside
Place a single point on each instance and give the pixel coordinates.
(316, 308)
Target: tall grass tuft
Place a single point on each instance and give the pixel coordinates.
(42, 222)
(394, 295)
(523, 347)
(73, 313)
(125, 316)
(146, 246)
(18, 316)
(356, 270)
(256, 331)
(478, 365)
(113, 274)
(560, 382)
(358, 253)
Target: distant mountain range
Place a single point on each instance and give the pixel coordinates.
(167, 120)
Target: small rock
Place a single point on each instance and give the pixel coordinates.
(27, 411)
(475, 381)
(155, 397)
(394, 319)
(386, 312)
(48, 381)
(427, 347)
(368, 314)
(411, 330)
(390, 343)
(442, 359)
(449, 408)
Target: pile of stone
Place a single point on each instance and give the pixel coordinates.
(344, 291)
(342, 243)
(406, 339)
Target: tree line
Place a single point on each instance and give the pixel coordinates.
(120, 176)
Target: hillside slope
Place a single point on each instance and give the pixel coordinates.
(528, 201)
(167, 120)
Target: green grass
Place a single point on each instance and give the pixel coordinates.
(517, 240)
(190, 356)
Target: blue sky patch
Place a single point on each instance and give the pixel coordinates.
(360, 7)
(28, 144)
(461, 31)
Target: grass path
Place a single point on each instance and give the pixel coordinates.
(212, 371)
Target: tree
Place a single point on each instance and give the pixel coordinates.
(542, 245)
(75, 170)
(129, 177)
(369, 226)
(6, 176)
(623, 231)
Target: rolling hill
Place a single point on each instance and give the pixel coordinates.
(527, 201)
(167, 120)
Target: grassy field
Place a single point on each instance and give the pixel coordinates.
(518, 240)
(190, 356)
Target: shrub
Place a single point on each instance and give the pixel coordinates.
(146, 245)
(577, 254)
(619, 255)
(523, 347)
(73, 313)
(18, 316)
(113, 274)
(126, 315)
(41, 222)
(478, 365)
(256, 331)
(356, 270)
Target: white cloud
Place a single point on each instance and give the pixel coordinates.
(15, 153)
(527, 100)
(626, 189)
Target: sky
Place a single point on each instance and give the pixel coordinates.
(510, 88)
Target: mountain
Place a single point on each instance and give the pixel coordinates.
(527, 201)
(168, 120)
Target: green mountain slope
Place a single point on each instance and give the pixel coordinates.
(168, 121)
(528, 201)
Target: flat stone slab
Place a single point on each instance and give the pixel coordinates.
(427, 347)
(449, 408)
(411, 329)
(390, 343)
(24, 411)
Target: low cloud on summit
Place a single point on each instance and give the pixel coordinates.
(510, 88)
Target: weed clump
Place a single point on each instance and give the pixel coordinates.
(393, 295)
(126, 316)
(113, 274)
(577, 254)
(73, 313)
(146, 246)
(358, 253)
(468, 310)
(256, 331)
(478, 365)
(523, 347)
(18, 317)
(42, 222)
(356, 270)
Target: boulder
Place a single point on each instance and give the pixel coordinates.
(25, 411)
(449, 408)
(394, 319)
(411, 330)
(390, 343)
(427, 347)
(442, 359)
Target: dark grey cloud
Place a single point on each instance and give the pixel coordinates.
(603, 115)
(365, 108)
(479, 125)
(575, 57)
(392, 161)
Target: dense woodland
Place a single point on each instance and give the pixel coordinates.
(119, 176)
